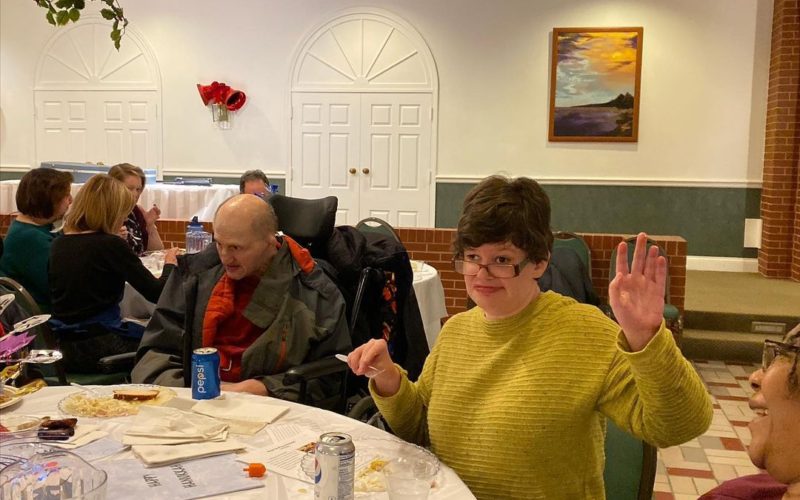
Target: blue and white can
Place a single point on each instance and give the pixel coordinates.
(334, 467)
(205, 373)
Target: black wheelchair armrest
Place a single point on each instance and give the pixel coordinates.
(313, 370)
(117, 363)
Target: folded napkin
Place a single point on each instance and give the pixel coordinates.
(84, 434)
(244, 416)
(170, 425)
(153, 456)
(155, 440)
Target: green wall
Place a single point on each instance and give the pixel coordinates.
(711, 220)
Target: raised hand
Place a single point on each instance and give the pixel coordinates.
(637, 295)
(152, 215)
(375, 353)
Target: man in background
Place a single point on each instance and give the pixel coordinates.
(254, 182)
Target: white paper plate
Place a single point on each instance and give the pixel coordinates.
(100, 403)
(9, 397)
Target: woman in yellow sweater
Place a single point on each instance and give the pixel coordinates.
(515, 393)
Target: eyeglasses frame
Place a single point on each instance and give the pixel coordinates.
(517, 267)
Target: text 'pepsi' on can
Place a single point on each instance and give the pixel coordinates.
(205, 373)
(334, 467)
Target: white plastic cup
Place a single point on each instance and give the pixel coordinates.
(409, 478)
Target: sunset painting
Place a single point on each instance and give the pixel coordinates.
(594, 85)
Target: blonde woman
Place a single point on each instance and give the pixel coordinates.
(89, 266)
(139, 228)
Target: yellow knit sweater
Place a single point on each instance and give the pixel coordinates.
(516, 406)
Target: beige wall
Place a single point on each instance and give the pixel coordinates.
(703, 84)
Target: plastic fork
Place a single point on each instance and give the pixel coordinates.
(371, 372)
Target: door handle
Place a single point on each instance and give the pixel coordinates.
(352, 171)
(365, 170)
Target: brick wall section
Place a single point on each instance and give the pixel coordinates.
(779, 256)
(434, 247)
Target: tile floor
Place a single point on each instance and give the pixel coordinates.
(691, 469)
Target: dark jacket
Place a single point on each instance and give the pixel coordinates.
(307, 305)
(349, 251)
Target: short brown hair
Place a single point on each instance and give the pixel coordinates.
(122, 170)
(253, 175)
(500, 209)
(101, 205)
(40, 190)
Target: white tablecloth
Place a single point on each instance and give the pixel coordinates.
(45, 402)
(175, 202)
(430, 297)
(427, 287)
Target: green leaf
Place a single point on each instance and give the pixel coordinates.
(74, 15)
(64, 4)
(116, 35)
(116, 44)
(62, 17)
(50, 18)
(107, 14)
(115, 26)
(79, 4)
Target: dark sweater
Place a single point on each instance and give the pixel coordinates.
(88, 274)
(27, 249)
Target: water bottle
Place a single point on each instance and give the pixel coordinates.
(196, 238)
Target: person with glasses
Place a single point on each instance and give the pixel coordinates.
(515, 394)
(775, 429)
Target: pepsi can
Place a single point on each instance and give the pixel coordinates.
(205, 373)
(334, 467)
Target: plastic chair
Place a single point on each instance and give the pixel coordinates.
(107, 372)
(566, 239)
(630, 470)
(376, 225)
(672, 316)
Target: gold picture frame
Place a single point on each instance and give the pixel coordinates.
(595, 81)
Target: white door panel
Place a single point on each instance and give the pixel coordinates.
(98, 126)
(372, 151)
(397, 141)
(325, 135)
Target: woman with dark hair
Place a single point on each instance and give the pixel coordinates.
(775, 429)
(43, 197)
(515, 394)
(139, 228)
(89, 267)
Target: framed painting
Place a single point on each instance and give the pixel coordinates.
(594, 84)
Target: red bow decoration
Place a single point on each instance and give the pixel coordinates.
(220, 93)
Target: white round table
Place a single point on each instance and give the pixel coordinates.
(430, 297)
(45, 403)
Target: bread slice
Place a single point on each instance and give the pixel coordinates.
(136, 394)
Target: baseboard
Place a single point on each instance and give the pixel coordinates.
(728, 264)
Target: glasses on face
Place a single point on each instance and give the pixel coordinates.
(468, 268)
(773, 349)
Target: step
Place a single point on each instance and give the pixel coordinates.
(732, 322)
(724, 345)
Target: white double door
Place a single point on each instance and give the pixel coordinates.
(98, 126)
(372, 150)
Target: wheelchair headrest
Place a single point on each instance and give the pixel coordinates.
(309, 222)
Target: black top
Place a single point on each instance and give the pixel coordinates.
(88, 274)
